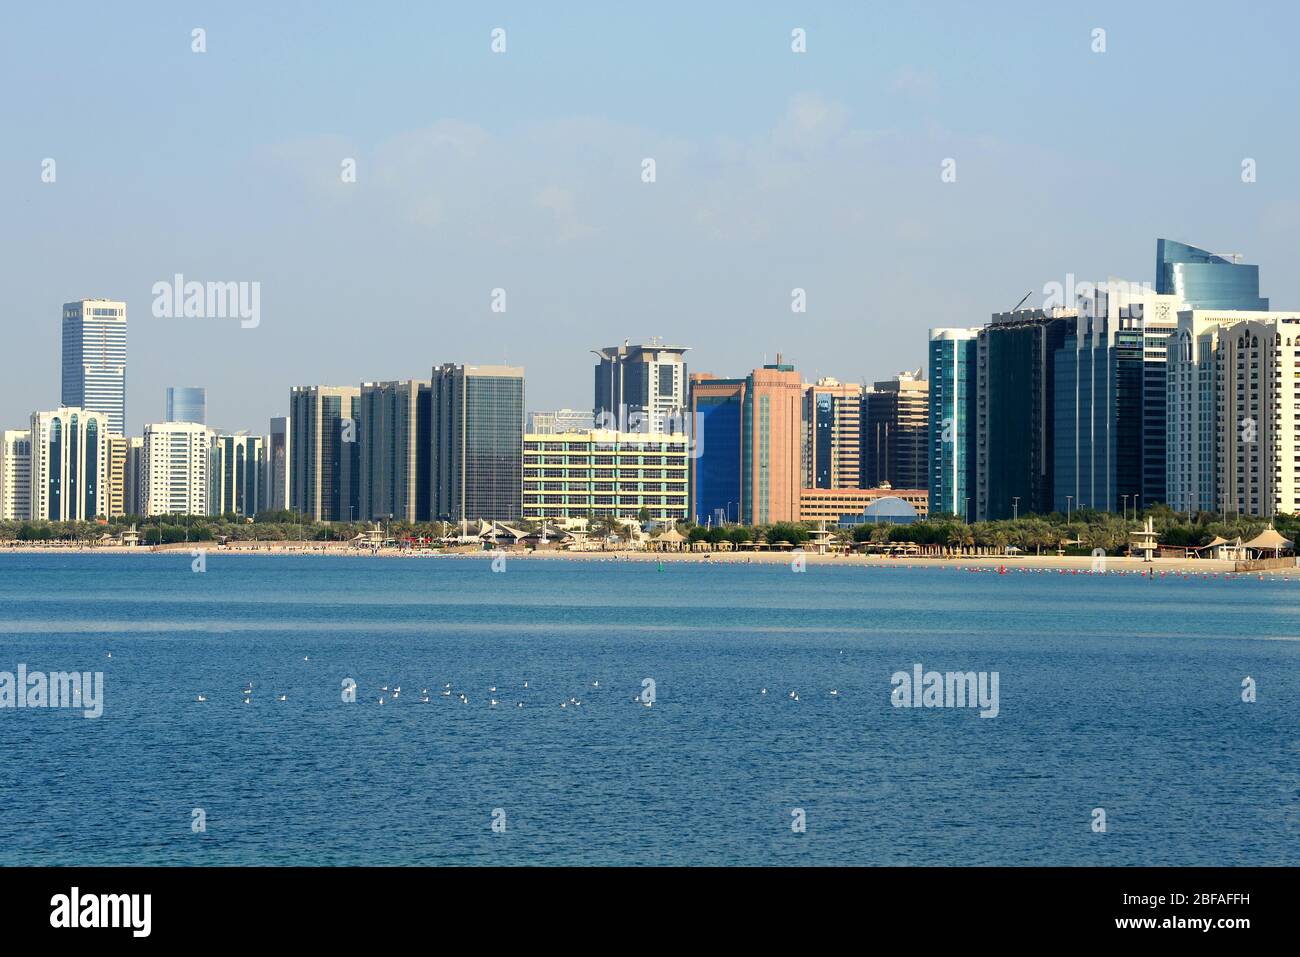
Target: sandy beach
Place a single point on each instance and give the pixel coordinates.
(1083, 564)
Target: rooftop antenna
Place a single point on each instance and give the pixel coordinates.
(1017, 306)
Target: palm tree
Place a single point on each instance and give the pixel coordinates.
(960, 538)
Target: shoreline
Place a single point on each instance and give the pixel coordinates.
(1065, 563)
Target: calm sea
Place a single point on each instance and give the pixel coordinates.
(1115, 692)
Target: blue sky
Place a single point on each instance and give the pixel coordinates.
(521, 171)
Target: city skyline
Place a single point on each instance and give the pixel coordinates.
(775, 171)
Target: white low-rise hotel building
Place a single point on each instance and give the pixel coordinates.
(605, 474)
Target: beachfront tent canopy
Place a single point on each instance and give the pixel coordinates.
(1270, 540)
(670, 540)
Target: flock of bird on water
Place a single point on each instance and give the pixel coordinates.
(392, 693)
(387, 693)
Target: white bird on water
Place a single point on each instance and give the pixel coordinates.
(834, 693)
(595, 684)
(283, 697)
(424, 700)
(525, 684)
(381, 699)
(201, 698)
(493, 702)
(764, 691)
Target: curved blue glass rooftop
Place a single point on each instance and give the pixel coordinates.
(1204, 280)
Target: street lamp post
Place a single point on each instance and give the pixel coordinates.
(1125, 498)
(1015, 508)
(1069, 501)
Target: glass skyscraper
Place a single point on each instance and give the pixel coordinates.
(1015, 444)
(895, 427)
(394, 438)
(717, 409)
(953, 404)
(323, 467)
(187, 404)
(1099, 402)
(1205, 280)
(476, 462)
(94, 359)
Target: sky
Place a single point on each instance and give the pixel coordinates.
(522, 171)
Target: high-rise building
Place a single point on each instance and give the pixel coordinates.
(954, 401)
(325, 452)
(476, 442)
(1015, 414)
(640, 388)
(237, 469)
(832, 419)
(69, 465)
(1098, 417)
(134, 481)
(560, 420)
(1206, 280)
(15, 474)
(94, 359)
(771, 445)
(277, 497)
(748, 460)
(187, 403)
(895, 432)
(1109, 450)
(717, 412)
(118, 448)
(602, 474)
(1234, 386)
(176, 467)
(393, 420)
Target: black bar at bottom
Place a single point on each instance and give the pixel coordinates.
(298, 905)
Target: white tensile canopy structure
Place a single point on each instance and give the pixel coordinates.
(1270, 540)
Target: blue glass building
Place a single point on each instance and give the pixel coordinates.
(1099, 417)
(187, 404)
(953, 404)
(1205, 280)
(717, 416)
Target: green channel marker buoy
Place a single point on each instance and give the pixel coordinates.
(661, 566)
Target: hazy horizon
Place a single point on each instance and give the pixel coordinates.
(522, 171)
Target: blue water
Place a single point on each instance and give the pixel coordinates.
(1116, 692)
